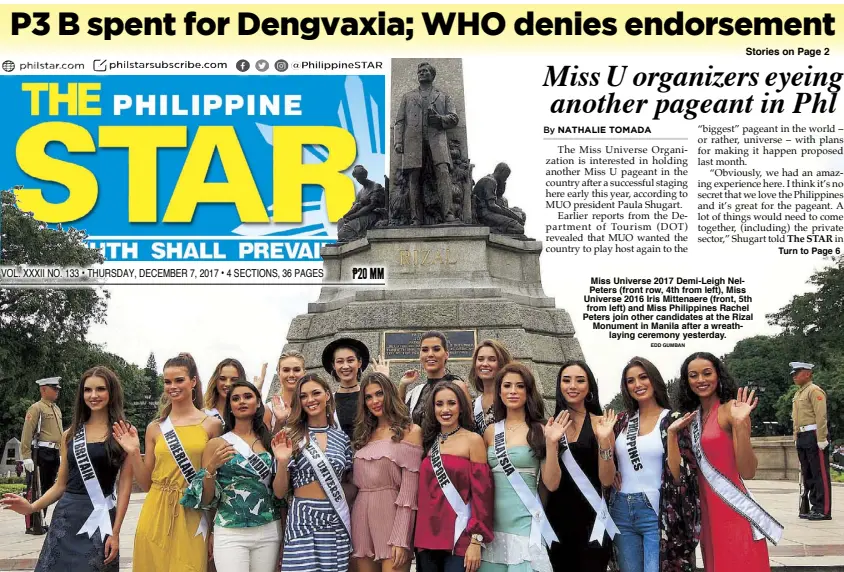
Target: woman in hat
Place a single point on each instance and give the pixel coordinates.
(85, 530)
(345, 359)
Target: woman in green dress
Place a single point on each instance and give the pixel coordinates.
(520, 448)
(237, 480)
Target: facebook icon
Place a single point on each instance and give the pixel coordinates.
(243, 65)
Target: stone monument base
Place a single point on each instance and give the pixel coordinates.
(447, 277)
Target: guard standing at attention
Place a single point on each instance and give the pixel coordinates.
(42, 432)
(810, 433)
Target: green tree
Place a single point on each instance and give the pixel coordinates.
(815, 320)
(40, 328)
(616, 403)
(761, 363)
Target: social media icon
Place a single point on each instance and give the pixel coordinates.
(100, 65)
(281, 65)
(262, 65)
(243, 65)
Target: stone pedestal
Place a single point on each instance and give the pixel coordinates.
(777, 458)
(440, 278)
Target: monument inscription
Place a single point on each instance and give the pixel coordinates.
(404, 345)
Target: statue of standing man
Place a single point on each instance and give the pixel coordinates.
(424, 116)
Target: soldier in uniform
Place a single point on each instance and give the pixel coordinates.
(42, 432)
(810, 433)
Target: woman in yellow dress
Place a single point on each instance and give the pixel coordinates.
(170, 537)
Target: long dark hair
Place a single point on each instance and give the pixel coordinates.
(534, 406)
(257, 421)
(393, 409)
(430, 425)
(660, 390)
(592, 402)
(297, 422)
(725, 390)
(81, 412)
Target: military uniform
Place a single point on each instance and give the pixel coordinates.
(808, 413)
(47, 440)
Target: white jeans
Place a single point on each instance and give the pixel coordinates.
(256, 546)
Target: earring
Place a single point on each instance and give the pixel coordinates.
(590, 397)
(193, 393)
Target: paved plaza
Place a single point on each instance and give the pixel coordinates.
(805, 545)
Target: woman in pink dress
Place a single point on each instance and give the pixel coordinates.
(726, 537)
(388, 452)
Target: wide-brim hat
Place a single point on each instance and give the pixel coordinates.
(357, 345)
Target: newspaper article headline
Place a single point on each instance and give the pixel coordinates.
(67, 23)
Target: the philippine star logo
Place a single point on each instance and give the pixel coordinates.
(358, 113)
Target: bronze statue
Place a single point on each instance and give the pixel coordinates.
(369, 208)
(424, 116)
(490, 207)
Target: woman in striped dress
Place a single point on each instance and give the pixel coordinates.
(317, 534)
(388, 452)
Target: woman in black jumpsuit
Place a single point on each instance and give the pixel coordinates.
(568, 511)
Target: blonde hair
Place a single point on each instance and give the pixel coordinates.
(290, 354)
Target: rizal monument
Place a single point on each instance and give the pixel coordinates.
(452, 249)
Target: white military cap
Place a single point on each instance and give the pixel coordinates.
(797, 365)
(50, 381)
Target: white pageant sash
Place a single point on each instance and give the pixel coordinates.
(480, 418)
(761, 523)
(184, 464)
(460, 508)
(539, 525)
(255, 461)
(99, 517)
(603, 520)
(413, 396)
(637, 462)
(328, 479)
(216, 413)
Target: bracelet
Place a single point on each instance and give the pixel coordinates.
(210, 474)
(606, 454)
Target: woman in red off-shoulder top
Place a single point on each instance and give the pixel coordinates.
(447, 434)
